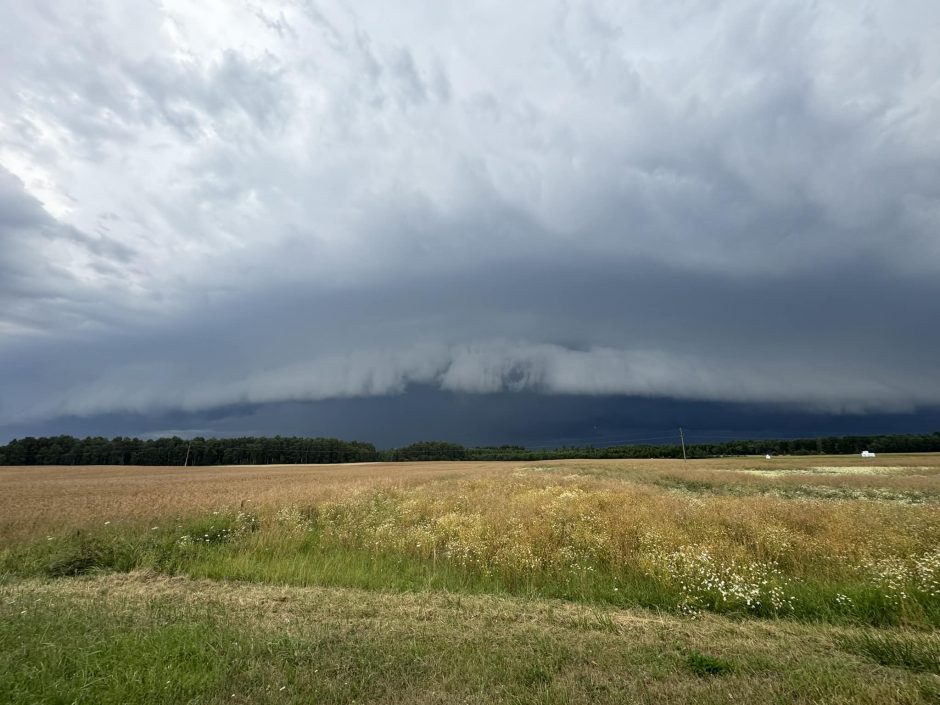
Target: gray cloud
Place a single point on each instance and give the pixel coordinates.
(833, 340)
(216, 204)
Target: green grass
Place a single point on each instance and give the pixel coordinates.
(704, 665)
(59, 652)
(913, 651)
(309, 562)
(143, 639)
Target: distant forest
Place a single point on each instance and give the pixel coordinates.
(66, 450)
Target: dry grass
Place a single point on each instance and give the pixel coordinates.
(722, 552)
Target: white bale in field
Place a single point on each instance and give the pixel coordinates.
(867, 454)
(767, 456)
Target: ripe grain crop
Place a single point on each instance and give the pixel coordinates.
(37, 500)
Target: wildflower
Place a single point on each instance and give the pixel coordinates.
(705, 581)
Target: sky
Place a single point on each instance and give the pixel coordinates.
(483, 222)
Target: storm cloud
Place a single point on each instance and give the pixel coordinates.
(213, 205)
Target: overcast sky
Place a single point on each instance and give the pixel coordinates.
(276, 206)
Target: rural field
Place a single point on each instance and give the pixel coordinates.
(812, 579)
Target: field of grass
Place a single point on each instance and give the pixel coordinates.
(810, 579)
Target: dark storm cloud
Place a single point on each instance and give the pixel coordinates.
(535, 420)
(846, 339)
(212, 205)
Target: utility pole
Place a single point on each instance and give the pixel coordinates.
(682, 439)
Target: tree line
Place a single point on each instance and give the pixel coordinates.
(67, 450)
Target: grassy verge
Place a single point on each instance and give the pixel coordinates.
(144, 638)
(237, 547)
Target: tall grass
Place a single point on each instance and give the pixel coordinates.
(913, 651)
(548, 534)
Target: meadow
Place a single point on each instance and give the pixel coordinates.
(795, 579)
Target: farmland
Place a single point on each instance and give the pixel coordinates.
(804, 579)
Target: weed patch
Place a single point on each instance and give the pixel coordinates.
(704, 665)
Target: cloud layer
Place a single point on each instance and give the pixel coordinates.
(233, 202)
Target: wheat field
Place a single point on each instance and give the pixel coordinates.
(37, 498)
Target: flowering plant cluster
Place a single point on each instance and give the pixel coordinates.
(722, 585)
